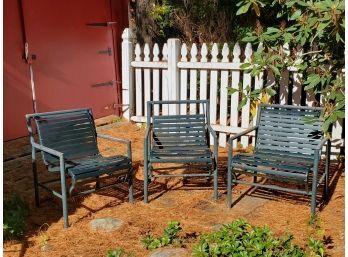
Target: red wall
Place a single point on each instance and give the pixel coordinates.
(17, 92)
(17, 87)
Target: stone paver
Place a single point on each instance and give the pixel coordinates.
(106, 224)
(169, 252)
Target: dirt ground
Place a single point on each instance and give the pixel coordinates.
(190, 203)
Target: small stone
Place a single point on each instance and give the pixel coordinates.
(216, 227)
(106, 224)
(46, 248)
(169, 252)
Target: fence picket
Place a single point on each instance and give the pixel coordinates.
(223, 95)
(213, 88)
(138, 84)
(165, 89)
(203, 76)
(156, 79)
(147, 78)
(235, 84)
(246, 107)
(297, 81)
(193, 79)
(258, 85)
(183, 80)
(284, 81)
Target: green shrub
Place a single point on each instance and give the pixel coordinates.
(169, 237)
(115, 252)
(241, 239)
(15, 212)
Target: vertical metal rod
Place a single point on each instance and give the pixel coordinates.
(145, 172)
(63, 188)
(327, 169)
(34, 167)
(314, 184)
(229, 177)
(130, 184)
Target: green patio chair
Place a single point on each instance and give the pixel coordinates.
(288, 148)
(68, 142)
(182, 138)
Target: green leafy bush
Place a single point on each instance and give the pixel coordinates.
(15, 212)
(170, 236)
(314, 34)
(241, 239)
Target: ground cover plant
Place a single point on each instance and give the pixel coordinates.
(241, 239)
(15, 212)
(169, 236)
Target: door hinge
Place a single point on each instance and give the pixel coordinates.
(107, 51)
(101, 24)
(105, 84)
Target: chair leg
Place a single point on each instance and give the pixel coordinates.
(36, 184)
(229, 186)
(255, 178)
(146, 181)
(130, 186)
(327, 170)
(97, 183)
(314, 186)
(64, 193)
(216, 192)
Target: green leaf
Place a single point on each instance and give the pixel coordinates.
(295, 15)
(243, 9)
(232, 90)
(249, 39)
(245, 65)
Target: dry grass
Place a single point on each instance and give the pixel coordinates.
(190, 203)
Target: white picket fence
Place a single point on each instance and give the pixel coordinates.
(179, 73)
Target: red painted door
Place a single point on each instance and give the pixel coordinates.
(73, 55)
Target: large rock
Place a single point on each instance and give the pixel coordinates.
(105, 224)
(169, 252)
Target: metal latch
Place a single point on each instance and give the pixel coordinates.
(107, 51)
(104, 84)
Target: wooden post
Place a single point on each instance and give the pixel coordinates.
(127, 74)
(173, 72)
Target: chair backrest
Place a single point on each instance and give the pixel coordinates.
(71, 132)
(180, 130)
(288, 129)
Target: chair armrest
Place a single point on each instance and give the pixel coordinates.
(213, 133)
(321, 144)
(119, 140)
(147, 142)
(241, 134)
(47, 150)
(147, 132)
